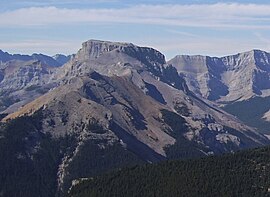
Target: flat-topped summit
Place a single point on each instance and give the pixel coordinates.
(113, 58)
(92, 49)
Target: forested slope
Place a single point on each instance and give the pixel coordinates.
(241, 174)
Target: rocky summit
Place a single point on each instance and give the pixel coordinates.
(114, 105)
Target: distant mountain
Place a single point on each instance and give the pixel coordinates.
(62, 59)
(46, 60)
(23, 78)
(112, 105)
(22, 82)
(4, 57)
(231, 78)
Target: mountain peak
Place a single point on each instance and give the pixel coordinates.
(62, 59)
(252, 54)
(258, 51)
(5, 57)
(92, 49)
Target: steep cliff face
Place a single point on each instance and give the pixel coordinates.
(93, 49)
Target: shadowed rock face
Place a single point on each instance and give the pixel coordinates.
(230, 78)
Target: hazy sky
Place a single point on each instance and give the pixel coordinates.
(174, 27)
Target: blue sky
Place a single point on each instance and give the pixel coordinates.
(208, 27)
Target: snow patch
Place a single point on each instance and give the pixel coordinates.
(268, 136)
(266, 116)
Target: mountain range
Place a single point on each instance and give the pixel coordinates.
(54, 61)
(114, 105)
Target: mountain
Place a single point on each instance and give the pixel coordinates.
(46, 60)
(5, 57)
(62, 59)
(137, 87)
(238, 82)
(240, 174)
(226, 79)
(112, 105)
